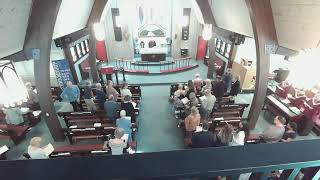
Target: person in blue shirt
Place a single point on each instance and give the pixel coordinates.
(71, 94)
(111, 107)
(124, 122)
(100, 96)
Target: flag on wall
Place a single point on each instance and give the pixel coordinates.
(63, 73)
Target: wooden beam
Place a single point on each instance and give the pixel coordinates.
(207, 14)
(264, 33)
(95, 17)
(39, 36)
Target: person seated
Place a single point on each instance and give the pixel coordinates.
(207, 104)
(241, 135)
(290, 132)
(179, 93)
(197, 82)
(275, 132)
(235, 86)
(219, 89)
(14, 115)
(72, 94)
(207, 85)
(33, 100)
(124, 91)
(100, 96)
(204, 138)
(111, 108)
(227, 79)
(129, 108)
(192, 121)
(124, 122)
(225, 135)
(88, 97)
(111, 90)
(34, 150)
(117, 144)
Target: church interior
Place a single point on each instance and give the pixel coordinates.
(114, 81)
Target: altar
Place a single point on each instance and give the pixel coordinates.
(153, 54)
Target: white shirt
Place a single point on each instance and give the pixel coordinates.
(117, 146)
(208, 102)
(36, 153)
(125, 92)
(238, 139)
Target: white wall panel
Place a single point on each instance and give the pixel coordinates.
(14, 16)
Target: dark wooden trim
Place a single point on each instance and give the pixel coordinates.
(264, 32)
(95, 16)
(207, 14)
(39, 35)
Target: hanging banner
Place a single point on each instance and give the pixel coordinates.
(62, 71)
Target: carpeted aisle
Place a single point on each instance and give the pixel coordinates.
(158, 129)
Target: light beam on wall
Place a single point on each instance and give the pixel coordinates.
(99, 31)
(119, 21)
(12, 90)
(207, 32)
(184, 21)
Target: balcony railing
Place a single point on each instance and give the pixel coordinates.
(260, 159)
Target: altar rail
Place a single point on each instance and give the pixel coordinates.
(145, 66)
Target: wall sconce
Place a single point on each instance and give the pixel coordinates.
(207, 32)
(13, 91)
(99, 31)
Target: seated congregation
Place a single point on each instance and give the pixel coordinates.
(106, 114)
(209, 117)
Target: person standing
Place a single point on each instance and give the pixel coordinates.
(219, 89)
(227, 79)
(88, 97)
(207, 104)
(192, 121)
(124, 122)
(117, 144)
(275, 132)
(34, 150)
(204, 138)
(100, 96)
(235, 86)
(129, 108)
(111, 90)
(111, 107)
(124, 91)
(72, 94)
(33, 100)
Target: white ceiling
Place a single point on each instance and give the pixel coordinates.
(73, 16)
(14, 16)
(232, 15)
(297, 22)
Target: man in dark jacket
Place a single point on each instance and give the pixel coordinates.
(219, 89)
(203, 138)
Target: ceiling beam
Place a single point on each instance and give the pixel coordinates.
(95, 17)
(39, 37)
(207, 14)
(265, 36)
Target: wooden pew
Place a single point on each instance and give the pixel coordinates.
(78, 150)
(14, 132)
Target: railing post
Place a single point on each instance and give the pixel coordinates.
(316, 176)
(294, 173)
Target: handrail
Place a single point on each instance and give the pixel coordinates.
(201, 163)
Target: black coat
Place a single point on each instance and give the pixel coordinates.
(219, 89)
(235, 88)
(203, 139)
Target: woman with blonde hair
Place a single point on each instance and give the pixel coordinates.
(34, 149)
(192, 121)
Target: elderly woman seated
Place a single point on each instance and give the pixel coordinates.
(192, 121)
(180, 92)
(34, 150)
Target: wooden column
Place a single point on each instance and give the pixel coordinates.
(95, 17)
(264, 34)
(39, 36)
(211, 74)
